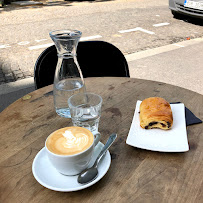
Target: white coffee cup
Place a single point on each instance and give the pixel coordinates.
(72, 164)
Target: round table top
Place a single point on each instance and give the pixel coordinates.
(134, 175)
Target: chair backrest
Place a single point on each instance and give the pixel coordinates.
(96, 59)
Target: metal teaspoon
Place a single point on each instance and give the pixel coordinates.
(90, 174)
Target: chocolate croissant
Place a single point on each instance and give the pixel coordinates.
(155, 112)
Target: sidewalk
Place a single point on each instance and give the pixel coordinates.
(177, 64)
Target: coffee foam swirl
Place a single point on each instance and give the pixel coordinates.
(70, 140)
(78, 140)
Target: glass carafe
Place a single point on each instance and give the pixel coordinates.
(68, 78)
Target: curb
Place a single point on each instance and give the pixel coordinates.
(159, 50)
(17, 85)
(29, 82)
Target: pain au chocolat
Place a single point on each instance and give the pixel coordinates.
(155, 112)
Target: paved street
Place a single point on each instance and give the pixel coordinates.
(131, 25)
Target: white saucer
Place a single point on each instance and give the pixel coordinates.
(50, 178)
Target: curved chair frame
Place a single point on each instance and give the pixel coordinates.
(96, 59)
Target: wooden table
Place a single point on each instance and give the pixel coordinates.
(135, 175)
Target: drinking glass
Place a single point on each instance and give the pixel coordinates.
(85, 109)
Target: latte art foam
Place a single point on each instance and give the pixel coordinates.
(78, 140)
(69, 141)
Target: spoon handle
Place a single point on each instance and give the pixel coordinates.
(109, 142)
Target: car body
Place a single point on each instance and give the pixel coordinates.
(192, 8)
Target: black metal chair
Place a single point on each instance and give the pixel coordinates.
(96, 59)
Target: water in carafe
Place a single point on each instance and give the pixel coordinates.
(68, 78)
(65, 89)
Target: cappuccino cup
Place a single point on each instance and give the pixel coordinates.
(70, 149)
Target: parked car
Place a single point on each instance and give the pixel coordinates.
(192, 8)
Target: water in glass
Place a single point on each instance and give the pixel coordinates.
(88, 117)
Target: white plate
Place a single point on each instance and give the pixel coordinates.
(173, 140)
(47, 175)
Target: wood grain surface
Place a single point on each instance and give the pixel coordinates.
(135, 175)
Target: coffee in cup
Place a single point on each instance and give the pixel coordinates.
(69, 141)
(70, 149)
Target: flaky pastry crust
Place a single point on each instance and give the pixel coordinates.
(155, 112)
